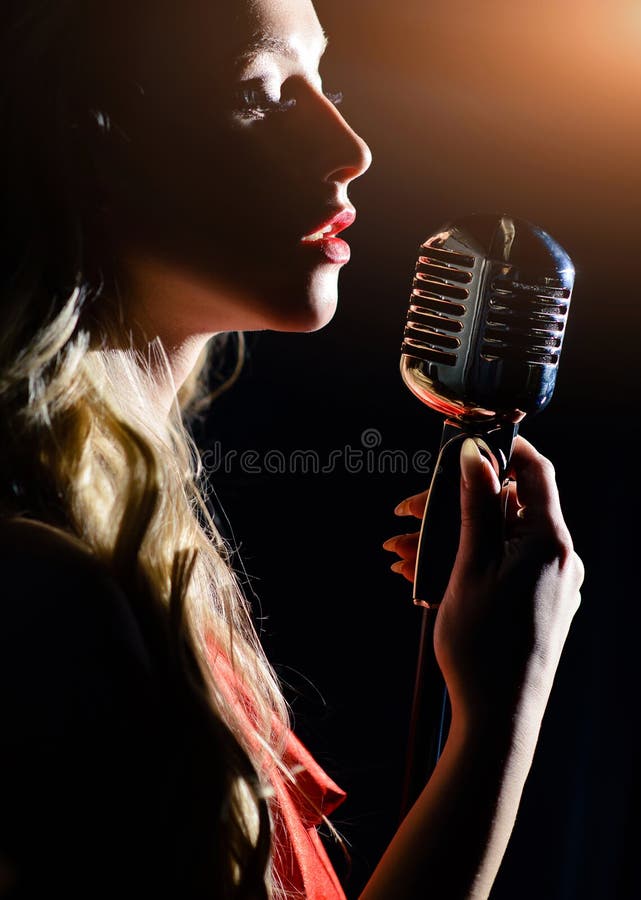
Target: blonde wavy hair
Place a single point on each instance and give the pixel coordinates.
(82, 447)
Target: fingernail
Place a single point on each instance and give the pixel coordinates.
(390, 543)
(403, 508)
(397, 566)
(471, 459)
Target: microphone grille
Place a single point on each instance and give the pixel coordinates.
(438, 302)
(525, 322)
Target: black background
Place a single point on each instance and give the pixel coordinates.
(531, 109)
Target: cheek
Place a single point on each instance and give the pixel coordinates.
(235, 192)
(233, 214)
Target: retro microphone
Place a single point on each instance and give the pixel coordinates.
(481, 346)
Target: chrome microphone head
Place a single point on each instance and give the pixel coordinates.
(487, 317)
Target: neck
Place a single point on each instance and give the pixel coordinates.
(165, 310)
(170, 364)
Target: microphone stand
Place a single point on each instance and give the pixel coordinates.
(438, 542)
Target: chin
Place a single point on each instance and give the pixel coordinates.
(304, 318)
(308, 308)
(313, 317)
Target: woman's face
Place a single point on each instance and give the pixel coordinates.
(234, 163)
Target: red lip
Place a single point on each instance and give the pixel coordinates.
(336, 223)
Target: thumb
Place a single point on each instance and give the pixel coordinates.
(481, 539)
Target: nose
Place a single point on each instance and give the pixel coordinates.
(345, 155)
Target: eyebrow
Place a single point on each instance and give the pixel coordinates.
(267, 44)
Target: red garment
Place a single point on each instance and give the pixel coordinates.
(300, 863)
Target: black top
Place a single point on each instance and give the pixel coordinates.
(97, 786)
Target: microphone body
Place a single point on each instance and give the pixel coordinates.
(484, 330)
(482, 342)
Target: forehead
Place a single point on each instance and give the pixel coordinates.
(171, 47)
(288, 27)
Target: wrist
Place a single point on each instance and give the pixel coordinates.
(504, 728)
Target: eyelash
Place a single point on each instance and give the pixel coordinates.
(256, 101)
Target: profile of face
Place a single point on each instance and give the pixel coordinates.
(234, 161)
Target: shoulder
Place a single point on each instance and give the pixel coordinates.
(29, 541)
(45, 566)
(65, 622)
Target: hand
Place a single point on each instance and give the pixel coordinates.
(512, 593)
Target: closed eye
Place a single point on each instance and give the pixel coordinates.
(251, 99)
(256, 101)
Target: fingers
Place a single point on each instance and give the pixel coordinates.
(412, 506)
(537, 494)
(405, 568)
(406, 546)
(481, 537)
(514, 510)
(535, 478)
(481, 518)
(533, 509)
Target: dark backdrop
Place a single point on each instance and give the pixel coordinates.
(532, 109)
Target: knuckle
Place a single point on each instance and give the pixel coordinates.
(579, 569)
(547, 468)
(556, 546)
(565, 548)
